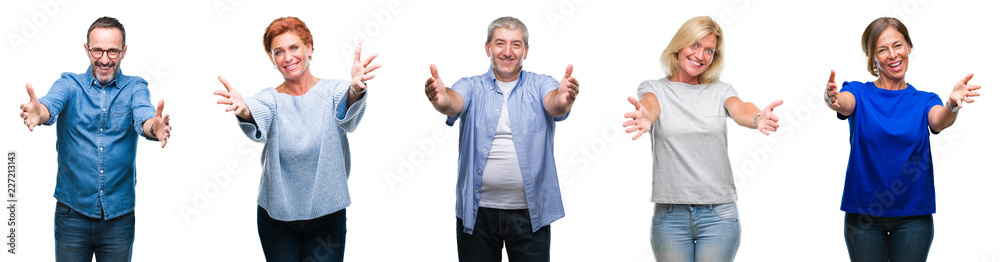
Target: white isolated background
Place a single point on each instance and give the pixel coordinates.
(196, 199)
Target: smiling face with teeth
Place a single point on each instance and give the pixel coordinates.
(892, 54)
(507, 50)
(695, 59)
(291, 55)
(104, 68)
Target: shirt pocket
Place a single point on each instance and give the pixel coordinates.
(121, 118)
(534, 116)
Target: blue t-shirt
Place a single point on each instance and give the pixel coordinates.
(889, 171)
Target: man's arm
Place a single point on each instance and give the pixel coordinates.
(558, 102)
(444, 100)
(158, 126)
(34, 112)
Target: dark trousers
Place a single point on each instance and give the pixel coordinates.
(496, 227)
(318, 239)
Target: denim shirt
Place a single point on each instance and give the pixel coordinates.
(532, 130)
(96, 133)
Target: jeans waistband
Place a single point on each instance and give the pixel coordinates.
(670, 207)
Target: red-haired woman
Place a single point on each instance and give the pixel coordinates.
(303, 122)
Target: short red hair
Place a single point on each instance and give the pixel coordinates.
(283, 25)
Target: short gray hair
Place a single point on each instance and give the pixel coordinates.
(509, 23)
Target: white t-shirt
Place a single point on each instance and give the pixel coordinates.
(503, 186)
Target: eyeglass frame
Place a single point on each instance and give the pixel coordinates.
(105, 51)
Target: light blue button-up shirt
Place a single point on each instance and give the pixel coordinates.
(532, 130)
(97, 129)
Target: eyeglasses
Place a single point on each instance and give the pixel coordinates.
(98, 53)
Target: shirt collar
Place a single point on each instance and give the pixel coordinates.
(93, 80)
(491, 76)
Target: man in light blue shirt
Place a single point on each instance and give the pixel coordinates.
(99, 116)
(508, 190)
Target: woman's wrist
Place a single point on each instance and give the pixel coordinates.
(755, 120)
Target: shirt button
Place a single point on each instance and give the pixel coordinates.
(102, 171)
(498, 110)
(100, 148)
(100, 129)
(102, 191)
(491, 129)
(480, 171)
(102, 109)
(477, 190)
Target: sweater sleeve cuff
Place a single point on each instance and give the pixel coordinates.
(256, 130)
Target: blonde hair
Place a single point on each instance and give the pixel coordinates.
(690, 32)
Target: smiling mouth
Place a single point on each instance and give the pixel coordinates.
(896, 66)
(694, 63)
(104, 68)
(291, 66)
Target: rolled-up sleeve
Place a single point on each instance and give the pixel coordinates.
(142, 108)
(464, 88)
(57, 96)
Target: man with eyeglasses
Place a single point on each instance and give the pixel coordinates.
(99, 116)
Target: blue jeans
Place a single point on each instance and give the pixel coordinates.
(318, 239)
(497, 227)
(79, 237)
(695, 232)
(875, 238)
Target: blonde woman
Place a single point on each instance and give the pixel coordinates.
(695, 218)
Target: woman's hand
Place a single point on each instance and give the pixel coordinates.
(640, 120)
(234, 100)
(963, 92)
(362, 71)
(767, 121)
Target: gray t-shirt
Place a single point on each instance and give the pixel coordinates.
(690, 152)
